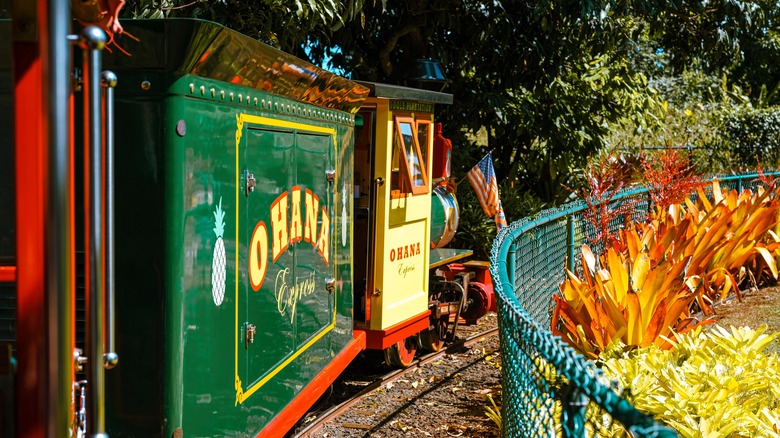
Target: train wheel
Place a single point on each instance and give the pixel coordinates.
(401, 354)
(433, 338)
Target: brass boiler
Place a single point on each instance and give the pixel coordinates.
(444, 216)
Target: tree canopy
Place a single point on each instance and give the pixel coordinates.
(546, 80)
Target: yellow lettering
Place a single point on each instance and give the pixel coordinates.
(279, 225)
(312, 207)
(324, 240)
(296, 234)
(258, 256)
(288, 293)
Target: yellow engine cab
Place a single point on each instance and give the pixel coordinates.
(393, 148)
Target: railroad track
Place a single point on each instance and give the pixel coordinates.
(339, 409)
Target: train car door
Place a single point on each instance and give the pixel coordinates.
(288, 309)
(393, 147)
(402, 216)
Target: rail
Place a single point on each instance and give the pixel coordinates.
(549, 389)
(334, 412)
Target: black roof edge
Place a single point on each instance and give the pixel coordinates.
(398, 92)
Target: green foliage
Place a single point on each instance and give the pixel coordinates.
(711, 31)
(283, 24)
(716, 384)
(753, 133)
(494, 413)
(715, 118)
(696, 106)
(546, 79)
(759, 69)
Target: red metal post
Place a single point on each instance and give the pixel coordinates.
(44, 218)
(29, 129)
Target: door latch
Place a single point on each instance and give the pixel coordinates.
(251, 182)
(330, 285)
(330, 174)
(251, 329)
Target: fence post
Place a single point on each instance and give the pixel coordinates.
(574, 404)
(570, 242)
(739, 185)
(511, 267)
(650, 211)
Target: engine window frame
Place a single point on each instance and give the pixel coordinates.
(412, 177)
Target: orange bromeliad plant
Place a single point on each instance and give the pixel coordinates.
(730, 234)
(651, 277)
(639, 295)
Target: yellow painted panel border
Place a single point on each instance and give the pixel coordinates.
(241, 118)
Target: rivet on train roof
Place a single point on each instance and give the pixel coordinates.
(231, 96)
(222, 94)
(241, 98)
(202, 90)
(192, 88)
(213, 92)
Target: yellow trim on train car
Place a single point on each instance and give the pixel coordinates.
(241, 394)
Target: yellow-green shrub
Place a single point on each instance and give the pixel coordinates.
(715, 384)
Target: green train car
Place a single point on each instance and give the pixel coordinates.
(253, 223)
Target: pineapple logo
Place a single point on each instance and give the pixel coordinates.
(344, 215)
(218, 258)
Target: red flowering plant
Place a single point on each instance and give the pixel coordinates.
(670, 178)
(604, 179)
(768, 180)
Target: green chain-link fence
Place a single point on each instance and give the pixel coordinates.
(550, 390)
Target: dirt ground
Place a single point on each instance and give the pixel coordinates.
(446, 398)
(758, 306)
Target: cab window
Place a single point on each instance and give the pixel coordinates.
(410, 139)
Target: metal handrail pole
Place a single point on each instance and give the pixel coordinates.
(93, 40)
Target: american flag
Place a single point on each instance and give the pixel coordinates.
(483, 178)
